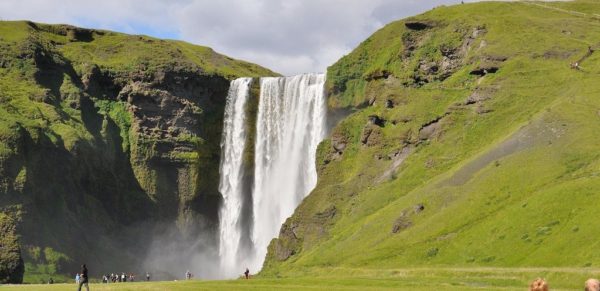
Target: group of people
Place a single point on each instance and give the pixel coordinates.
(116, 278)
(81, 279)
(540, 284)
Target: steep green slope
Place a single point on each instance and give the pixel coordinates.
(107, 139)
(472, 143)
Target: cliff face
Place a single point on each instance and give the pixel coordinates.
(11, 262)
(470, 143)
(106, 138)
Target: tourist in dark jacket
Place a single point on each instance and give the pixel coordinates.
(83, 278)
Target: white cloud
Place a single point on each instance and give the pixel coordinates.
(290, 37)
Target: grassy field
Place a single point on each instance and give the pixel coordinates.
(442, 278)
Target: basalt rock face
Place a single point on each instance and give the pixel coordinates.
(106, 140)
(176, 128)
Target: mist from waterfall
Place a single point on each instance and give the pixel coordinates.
(290, 123)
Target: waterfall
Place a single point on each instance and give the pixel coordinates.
(289, 126)
(231, 169)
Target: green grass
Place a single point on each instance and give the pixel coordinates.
(486, 204)
(455, 278)
(122, 52)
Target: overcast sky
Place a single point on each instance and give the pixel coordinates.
(288, 36)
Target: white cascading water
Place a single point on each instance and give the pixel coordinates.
(231, 175)
(291, 122)
(290, 125)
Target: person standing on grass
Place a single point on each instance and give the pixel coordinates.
(83, 279)
(147, 276)
(247, 273)
(77, 278)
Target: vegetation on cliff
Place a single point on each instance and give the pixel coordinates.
(104, 136)
(11, 262)
(472, 143)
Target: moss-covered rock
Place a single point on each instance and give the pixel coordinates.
(11, 262)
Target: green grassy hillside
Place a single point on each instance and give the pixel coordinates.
(472, 143)
(105, 139)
